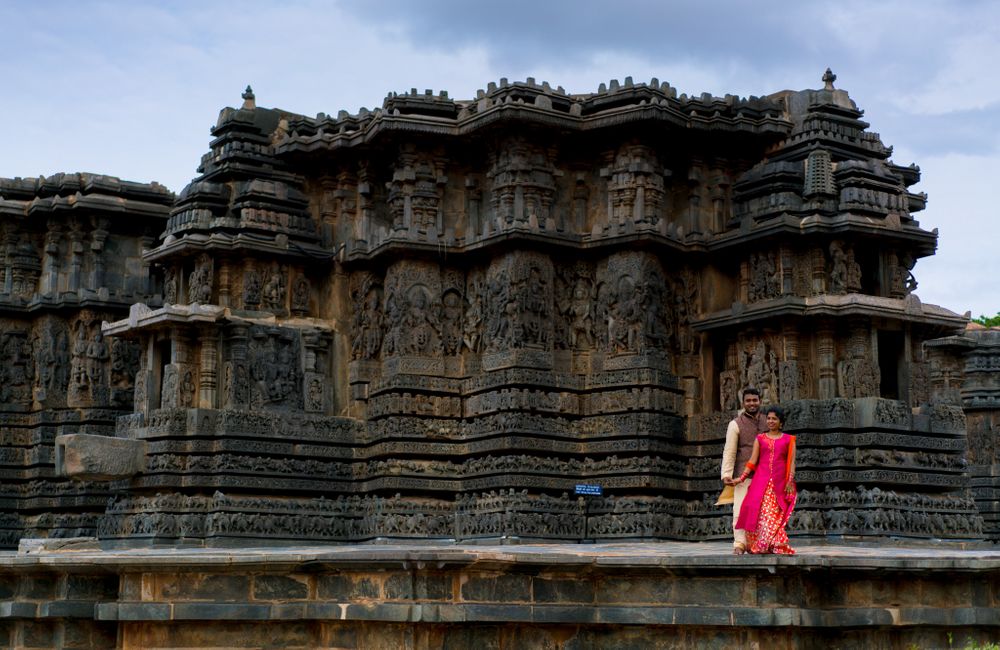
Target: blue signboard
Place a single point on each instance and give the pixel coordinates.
(592, 490)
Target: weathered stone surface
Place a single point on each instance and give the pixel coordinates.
(29, 545)
(279, 588)
(644, 595)
(99, 458)
(349, 329)
(72, 258)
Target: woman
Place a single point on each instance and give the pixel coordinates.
(771, 497)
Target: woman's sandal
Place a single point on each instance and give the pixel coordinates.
(739, 549)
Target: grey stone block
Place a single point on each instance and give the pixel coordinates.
(277, 587)
(9, 609)
(432, 587)
(221, 612)
(504, 588)
(134, 612)
(214, 587)
(27, 546)
(66, 609)
(94, 587)
(399, 586)
(99, 458)
(388, 612)
(548, 590)
(344, 588)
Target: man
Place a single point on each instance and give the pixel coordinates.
(740, 434)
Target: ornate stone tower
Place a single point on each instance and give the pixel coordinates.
(434, 319)
(235, 395)
(71, 258)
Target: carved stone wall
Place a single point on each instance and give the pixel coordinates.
(965, 372)
(71, 259)
(435, 319)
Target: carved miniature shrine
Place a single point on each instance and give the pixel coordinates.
(434, 319)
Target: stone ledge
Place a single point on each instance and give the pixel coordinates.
(714, 556)
(693, 615)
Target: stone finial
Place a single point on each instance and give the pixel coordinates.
(249, 99)
(828, 79)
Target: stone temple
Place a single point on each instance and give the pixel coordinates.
(432, 320)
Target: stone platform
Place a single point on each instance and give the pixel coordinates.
(636, 595)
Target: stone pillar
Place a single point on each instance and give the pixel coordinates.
(907, 372)
(743, 289)
(786, 262)
(789, 372)
(178, 385)
(316, 388)
(224, 288)
(97, 239)
(365, 203)
(237, 388)
(639, 205)
(473, 201)
(581, 193)
(144, 284)
(75, 255)
(208, 375)
(10, 248)
(694, 201)
(826, 362)
(819, 274)
(144, 377)
(50, 261)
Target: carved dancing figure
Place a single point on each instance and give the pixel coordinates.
(251, 287)
(473, 322)
(79, 360)
(451, 322)
(97, 354)
(274, 290)
(581, 317)
(838, 271)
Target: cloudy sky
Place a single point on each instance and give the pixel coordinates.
(131, 88)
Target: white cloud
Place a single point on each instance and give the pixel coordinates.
(924, 58)
(965, 273)
(131, 89)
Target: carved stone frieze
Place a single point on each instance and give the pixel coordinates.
(519, 303)
(632, 315)
(764, 276)
(274, 368)
(375, 330)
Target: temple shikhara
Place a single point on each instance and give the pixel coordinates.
(433, 320)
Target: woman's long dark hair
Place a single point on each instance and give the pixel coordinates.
(777, 410)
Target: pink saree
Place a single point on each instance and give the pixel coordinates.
(766, 507)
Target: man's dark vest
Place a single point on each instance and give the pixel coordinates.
(749, 428)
